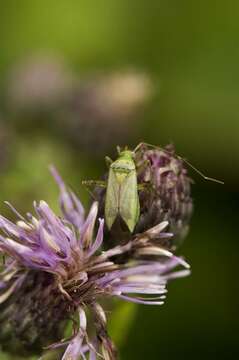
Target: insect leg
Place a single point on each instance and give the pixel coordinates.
(140, 145)
(142, 166)
(90, 183)
(94, 183)
(145, 186)
(108, 161)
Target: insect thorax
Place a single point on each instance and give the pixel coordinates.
(123, 166)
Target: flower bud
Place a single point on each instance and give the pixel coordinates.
(166, 193)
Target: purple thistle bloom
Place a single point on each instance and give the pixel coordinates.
(55, 268)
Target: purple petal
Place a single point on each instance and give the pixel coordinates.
(99, 239)
(71, 206)
(140, 290)
(75, 349)
(14, 210)
(151, 267)
(177, 274)
(10, 228)
(87, 230)
(140, 301)
(61, 233)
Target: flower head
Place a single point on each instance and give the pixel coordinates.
(55, 270)
(166, 195)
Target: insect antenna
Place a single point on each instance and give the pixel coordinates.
(182, 159)
(199, 172)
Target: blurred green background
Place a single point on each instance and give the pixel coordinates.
(78, 78)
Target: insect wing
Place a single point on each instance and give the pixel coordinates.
(129, 201)
(112, 199)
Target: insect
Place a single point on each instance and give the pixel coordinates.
(122, 191)
(122, 198)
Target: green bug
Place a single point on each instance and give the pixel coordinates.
(122, 198)
(122, 191)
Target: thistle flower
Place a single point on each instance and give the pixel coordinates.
(166, 195)
(55, 271)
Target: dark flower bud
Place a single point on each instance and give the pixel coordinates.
(166, 193)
